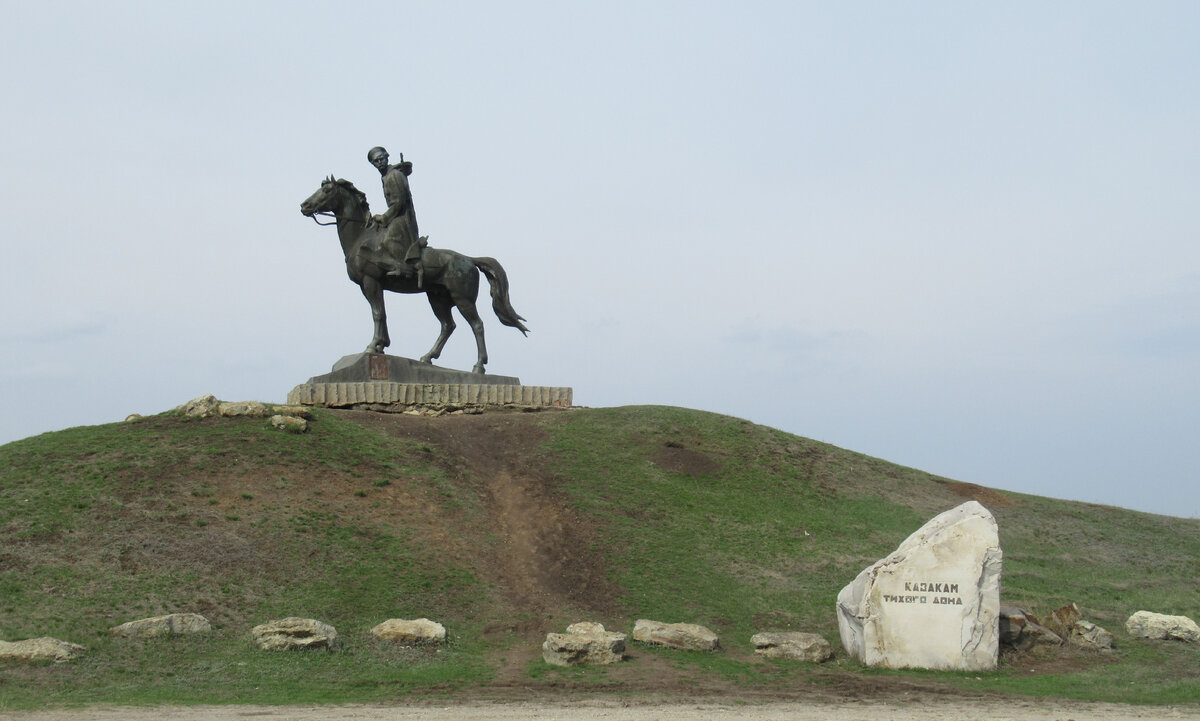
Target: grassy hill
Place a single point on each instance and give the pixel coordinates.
(506, 526)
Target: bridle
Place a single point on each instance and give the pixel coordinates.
(330, 214)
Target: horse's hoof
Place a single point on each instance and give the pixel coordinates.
(478, 369)
(426, 360)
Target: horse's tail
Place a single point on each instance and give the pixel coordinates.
(498, 279)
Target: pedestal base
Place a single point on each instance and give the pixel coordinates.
(392, 383)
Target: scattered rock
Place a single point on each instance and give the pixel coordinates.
(683, 636)
(794, 645)
(584, 643)
(290, 424)
(296, 411)
(1068, 624)
(1012, 626)
(252, 409)
(934, 602)
(173, 623)
(295, 633)
(40, 649)
(1021, 631)
(1041, 637)
(202, 407)
(419, 632)
(1146, 624)
(1090, 636)
(1063, 620)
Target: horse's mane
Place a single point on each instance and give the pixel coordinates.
(358, 194)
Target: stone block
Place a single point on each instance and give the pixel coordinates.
(170, 624)
(682, 636)
(585, 643)
(1146, 624)
(418, 632)
(295, 633)
(792, 645)
(932, 603)
(40, 649)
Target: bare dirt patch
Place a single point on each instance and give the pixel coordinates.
(533, 546)
(675, 457)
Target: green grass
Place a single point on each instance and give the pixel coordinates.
(697, 517)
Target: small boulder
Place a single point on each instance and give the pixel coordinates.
(584, 643)
(171, 624)
(794, 645)
(1012, 626)
(682, 636)
(202, 407)
(419, 632)
(295, 633)
(290, 424)
(1020, 630)
(1090, 636)
(296, 411)
(40, 649)
(1038, 636)
(1068, 623)
(251, 409)
(1145, 624)
(1061, 621)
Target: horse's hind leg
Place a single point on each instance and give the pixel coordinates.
(439, 300)
(466, 306)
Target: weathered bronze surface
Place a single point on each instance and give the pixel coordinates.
(379, 258)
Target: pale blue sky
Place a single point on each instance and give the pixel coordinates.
(957, 236)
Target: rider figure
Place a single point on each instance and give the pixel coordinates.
(401, 238)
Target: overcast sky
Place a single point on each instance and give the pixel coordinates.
(958, 236)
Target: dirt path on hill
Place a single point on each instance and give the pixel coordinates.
(541, 555)
(627, 711)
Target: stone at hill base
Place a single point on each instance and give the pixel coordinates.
(295, 633)
(40, 649)
(1146, 624)
(1020, 631)
(1067, 622)
(793, 645)
(932, 603)
(418, 632)
(170, 624)
(290, 424)
(682, 636)
(584, 643)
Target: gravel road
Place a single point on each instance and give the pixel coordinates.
(616, 711)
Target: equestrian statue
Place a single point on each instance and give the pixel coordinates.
(384, 252)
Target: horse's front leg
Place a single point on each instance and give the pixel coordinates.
(441, 304)
(373, 292)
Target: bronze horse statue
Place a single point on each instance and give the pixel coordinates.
(451, 280)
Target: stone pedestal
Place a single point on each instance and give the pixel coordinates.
(934, 602)
(384, 382)
(367, 367)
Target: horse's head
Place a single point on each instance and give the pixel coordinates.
(338, 197)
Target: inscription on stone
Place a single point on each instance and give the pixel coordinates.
(925, 589)
(379, 367)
